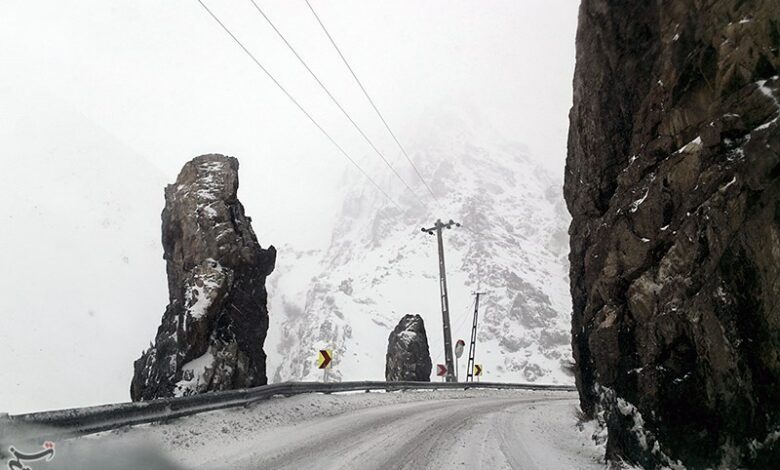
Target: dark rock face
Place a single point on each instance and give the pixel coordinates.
(408, 358)
(212, 332)
(673, 182)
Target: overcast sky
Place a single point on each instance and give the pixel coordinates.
(126, 92)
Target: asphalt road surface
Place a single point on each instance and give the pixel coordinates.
(424, 430)
(478, 433)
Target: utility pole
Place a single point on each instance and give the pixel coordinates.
(445, 306)
(473, 347)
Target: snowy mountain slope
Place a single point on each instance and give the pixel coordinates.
(84, 275)
(380, 266)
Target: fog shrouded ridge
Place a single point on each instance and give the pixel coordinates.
(85, 279)
(104, 102)
(380, 266)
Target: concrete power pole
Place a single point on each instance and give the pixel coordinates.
(445, 306)
(473, 347)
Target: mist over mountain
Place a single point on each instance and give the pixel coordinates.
(88, 278)
(380, 266)
(84, 271)
(101, 104)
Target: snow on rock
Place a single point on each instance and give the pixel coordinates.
(635, 205)
(619, 424)
(195, 375)
(213, 331)
(769, 93)
(203, 288)
(675, 302)
(408, 358)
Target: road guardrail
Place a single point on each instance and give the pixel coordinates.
(82, 421)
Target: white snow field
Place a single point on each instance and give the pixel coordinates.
(475, 429)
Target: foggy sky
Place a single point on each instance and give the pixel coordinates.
(163, 84)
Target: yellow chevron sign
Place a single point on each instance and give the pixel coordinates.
(477, 370)
(325, 359)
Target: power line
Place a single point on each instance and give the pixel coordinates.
(284, 90)
(463, 319)
(335, 101)
(373, 105)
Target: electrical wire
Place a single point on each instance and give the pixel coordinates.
(371, 101)
(291, 98)
(464, 318)
(335, 101)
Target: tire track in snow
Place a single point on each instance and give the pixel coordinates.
(409, 436)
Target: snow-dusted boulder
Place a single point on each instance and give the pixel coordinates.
(213, 330)
(408, 358)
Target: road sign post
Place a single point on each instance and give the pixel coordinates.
(477, 370)
(324, 362)
(459, 345)
(441, 371)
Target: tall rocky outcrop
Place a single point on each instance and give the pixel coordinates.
(673, 182)
(408, 358)
(212, 332)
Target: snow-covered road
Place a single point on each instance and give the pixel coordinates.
(477, 429)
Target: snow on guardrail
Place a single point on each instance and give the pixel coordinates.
(89, 420)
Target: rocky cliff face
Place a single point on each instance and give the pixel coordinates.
(408, 358)
(673, 182)
(212, 332)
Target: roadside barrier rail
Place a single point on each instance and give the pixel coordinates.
(82, 421)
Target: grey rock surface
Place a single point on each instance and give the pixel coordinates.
(673, 183)
(408, 358)
(213, 330)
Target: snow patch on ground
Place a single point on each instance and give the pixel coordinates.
(507, 429)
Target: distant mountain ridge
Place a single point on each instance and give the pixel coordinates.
(380, 266)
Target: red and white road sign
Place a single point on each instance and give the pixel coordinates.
(441, 370)
(459, 348)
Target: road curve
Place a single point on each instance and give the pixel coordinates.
(478, 433)
(474, 429)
